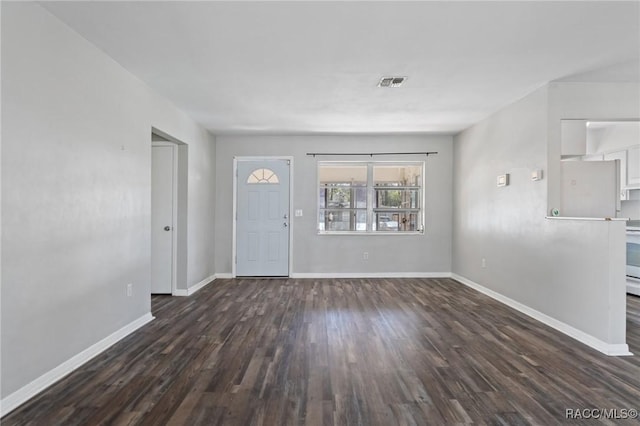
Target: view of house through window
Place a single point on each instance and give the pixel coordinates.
(374, 196)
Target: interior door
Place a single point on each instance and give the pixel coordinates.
(262, 227)
(162, 199)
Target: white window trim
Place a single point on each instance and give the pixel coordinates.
(370, 190)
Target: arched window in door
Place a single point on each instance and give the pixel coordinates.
(263, 176)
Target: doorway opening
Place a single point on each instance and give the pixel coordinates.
(168, 214)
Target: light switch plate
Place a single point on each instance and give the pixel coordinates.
(503, 180)
(298, 212)
(536, 174)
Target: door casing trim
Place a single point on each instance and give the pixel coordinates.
(237, 159)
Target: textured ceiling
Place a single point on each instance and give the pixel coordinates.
(313, 67)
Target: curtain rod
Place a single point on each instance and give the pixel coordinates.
(371, 154)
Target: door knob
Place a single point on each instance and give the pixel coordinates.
(167, 228)
(285, 216)
(285, 224)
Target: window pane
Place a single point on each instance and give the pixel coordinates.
(386, 198)
(351, 174)
(338, 197)
(410, 221)
(397, 198)
(337, 220)
(361, 220)
(263, 176)
(386, 222)
(397, 221)
(342, 220)
(397, 175)
(360, 198)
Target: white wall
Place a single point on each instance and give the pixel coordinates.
(76, 157)
(332, 254)
(571, 272)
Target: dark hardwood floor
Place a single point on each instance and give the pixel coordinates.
(341, 352)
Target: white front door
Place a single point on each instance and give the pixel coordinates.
(162, 199)
(262, 227)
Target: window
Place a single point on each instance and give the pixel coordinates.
(370, 197)
(263, 176)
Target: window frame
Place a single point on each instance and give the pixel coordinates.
(371, 196)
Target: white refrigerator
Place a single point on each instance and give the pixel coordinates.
(590, 188)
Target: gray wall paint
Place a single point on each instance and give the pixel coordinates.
(314, 253)
(201, 206)
(572, 271)
(76, 172)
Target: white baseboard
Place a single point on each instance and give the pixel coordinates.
(357, 275)
(371, 275)
(30, 390)
(194, 288)
(581, 336)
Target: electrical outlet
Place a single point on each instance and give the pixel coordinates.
(484, 262)
(365, 255)
(129, 290)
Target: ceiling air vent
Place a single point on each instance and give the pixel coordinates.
(391, 81)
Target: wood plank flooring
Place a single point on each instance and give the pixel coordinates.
(341, 352)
